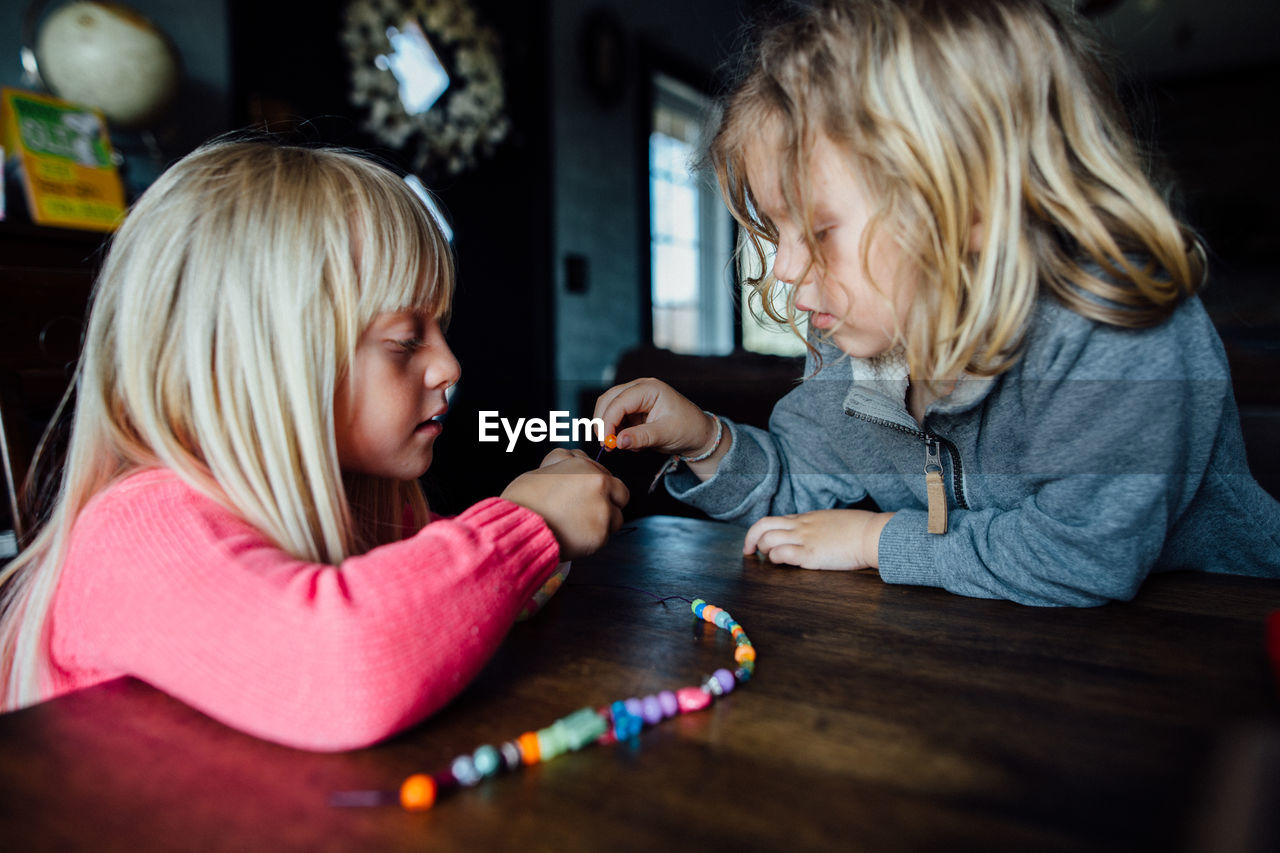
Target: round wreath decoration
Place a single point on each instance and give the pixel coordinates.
(468, 121)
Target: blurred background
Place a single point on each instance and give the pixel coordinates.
(555, 137)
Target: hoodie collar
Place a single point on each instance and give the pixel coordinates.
(879, 390)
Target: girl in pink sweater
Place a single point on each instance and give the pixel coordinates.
(239, 521)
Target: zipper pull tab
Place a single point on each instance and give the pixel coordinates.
(936, 491)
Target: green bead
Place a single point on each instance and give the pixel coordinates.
(551, 742)
(582, 727)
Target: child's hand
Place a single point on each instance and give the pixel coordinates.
(655, 416)
(825, 539)
(579, 499)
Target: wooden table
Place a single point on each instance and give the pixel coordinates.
(880, 718)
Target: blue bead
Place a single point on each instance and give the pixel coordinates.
(486, 760)
(464, 770)
(625, 724)
(723, 619)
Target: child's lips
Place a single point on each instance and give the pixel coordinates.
(431, 425)
(821, 320)
(817, 319)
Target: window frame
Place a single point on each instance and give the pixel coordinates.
(654, 62)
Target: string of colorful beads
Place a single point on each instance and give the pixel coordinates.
(619, 721)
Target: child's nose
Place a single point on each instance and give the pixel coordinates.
(790, 262)
(443, 370)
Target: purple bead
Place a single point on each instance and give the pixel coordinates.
(634, 707)
(725, 677)
(652, 710)
(667, 700)
(510, 755)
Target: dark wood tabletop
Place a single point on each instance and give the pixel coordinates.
(880, 718)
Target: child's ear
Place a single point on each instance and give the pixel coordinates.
(977, 233)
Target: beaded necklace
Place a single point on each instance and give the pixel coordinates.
(620, 721)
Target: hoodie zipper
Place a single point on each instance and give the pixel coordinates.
(934, 489)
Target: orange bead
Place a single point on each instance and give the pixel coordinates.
(528, 743)
(611, 441)
(418, 793)
(744, 653)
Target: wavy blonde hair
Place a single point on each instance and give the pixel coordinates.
(227, 311)
(991, 136)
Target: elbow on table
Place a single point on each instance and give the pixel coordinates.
(350, 699)
(1091, 586)
(349, 723)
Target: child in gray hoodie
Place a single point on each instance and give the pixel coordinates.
(1006, 353)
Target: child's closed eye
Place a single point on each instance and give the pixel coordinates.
(409, 345)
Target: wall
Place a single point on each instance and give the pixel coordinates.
(598, 168)
(1181, 38)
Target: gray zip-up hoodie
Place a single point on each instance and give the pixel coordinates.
(1102, 455)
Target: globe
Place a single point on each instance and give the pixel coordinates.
(108, 56)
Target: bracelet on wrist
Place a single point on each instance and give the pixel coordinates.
(674, 460)
(715, 444)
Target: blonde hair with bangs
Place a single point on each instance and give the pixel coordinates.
(227, 311)
(990, 134)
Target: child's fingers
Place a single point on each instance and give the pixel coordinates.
(640, 436)
(773, 543)
(603, 401)
(619, 494)
(757, 532)
(789, 553)
(638, 397)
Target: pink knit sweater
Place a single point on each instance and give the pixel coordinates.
(163, 584)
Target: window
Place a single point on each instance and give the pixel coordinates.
(689, 230)
(691, 238)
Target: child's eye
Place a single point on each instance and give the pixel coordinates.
(409, 345)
